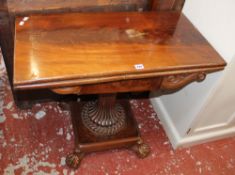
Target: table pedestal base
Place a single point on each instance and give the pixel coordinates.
(104, 124)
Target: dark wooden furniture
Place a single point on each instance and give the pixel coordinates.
(11, 8)
(71, 53)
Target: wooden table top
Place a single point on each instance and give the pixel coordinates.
(84, 48)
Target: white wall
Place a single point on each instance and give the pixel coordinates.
(219, 110)
(215, 19)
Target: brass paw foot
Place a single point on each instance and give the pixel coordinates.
(73, 160)
(141, 149)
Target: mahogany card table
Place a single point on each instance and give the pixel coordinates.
(106, 54)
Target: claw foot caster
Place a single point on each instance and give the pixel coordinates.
(141, 149)
(73, 160)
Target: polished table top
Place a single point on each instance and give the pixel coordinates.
(83, 48)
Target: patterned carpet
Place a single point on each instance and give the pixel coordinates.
(36, 142)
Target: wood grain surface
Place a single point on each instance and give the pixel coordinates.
(175, 5)
(16, 6)
(73, 48)
(39, 6)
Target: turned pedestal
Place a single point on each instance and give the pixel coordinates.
(102, 124)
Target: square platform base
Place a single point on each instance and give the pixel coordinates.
(86, 141)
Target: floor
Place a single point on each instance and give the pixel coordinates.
(36, 142)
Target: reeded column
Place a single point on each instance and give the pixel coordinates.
(104, 117)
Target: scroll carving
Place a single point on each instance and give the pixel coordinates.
(175, 82)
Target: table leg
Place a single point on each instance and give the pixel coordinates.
(104, 124)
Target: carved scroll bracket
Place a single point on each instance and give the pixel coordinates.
(175, 82)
